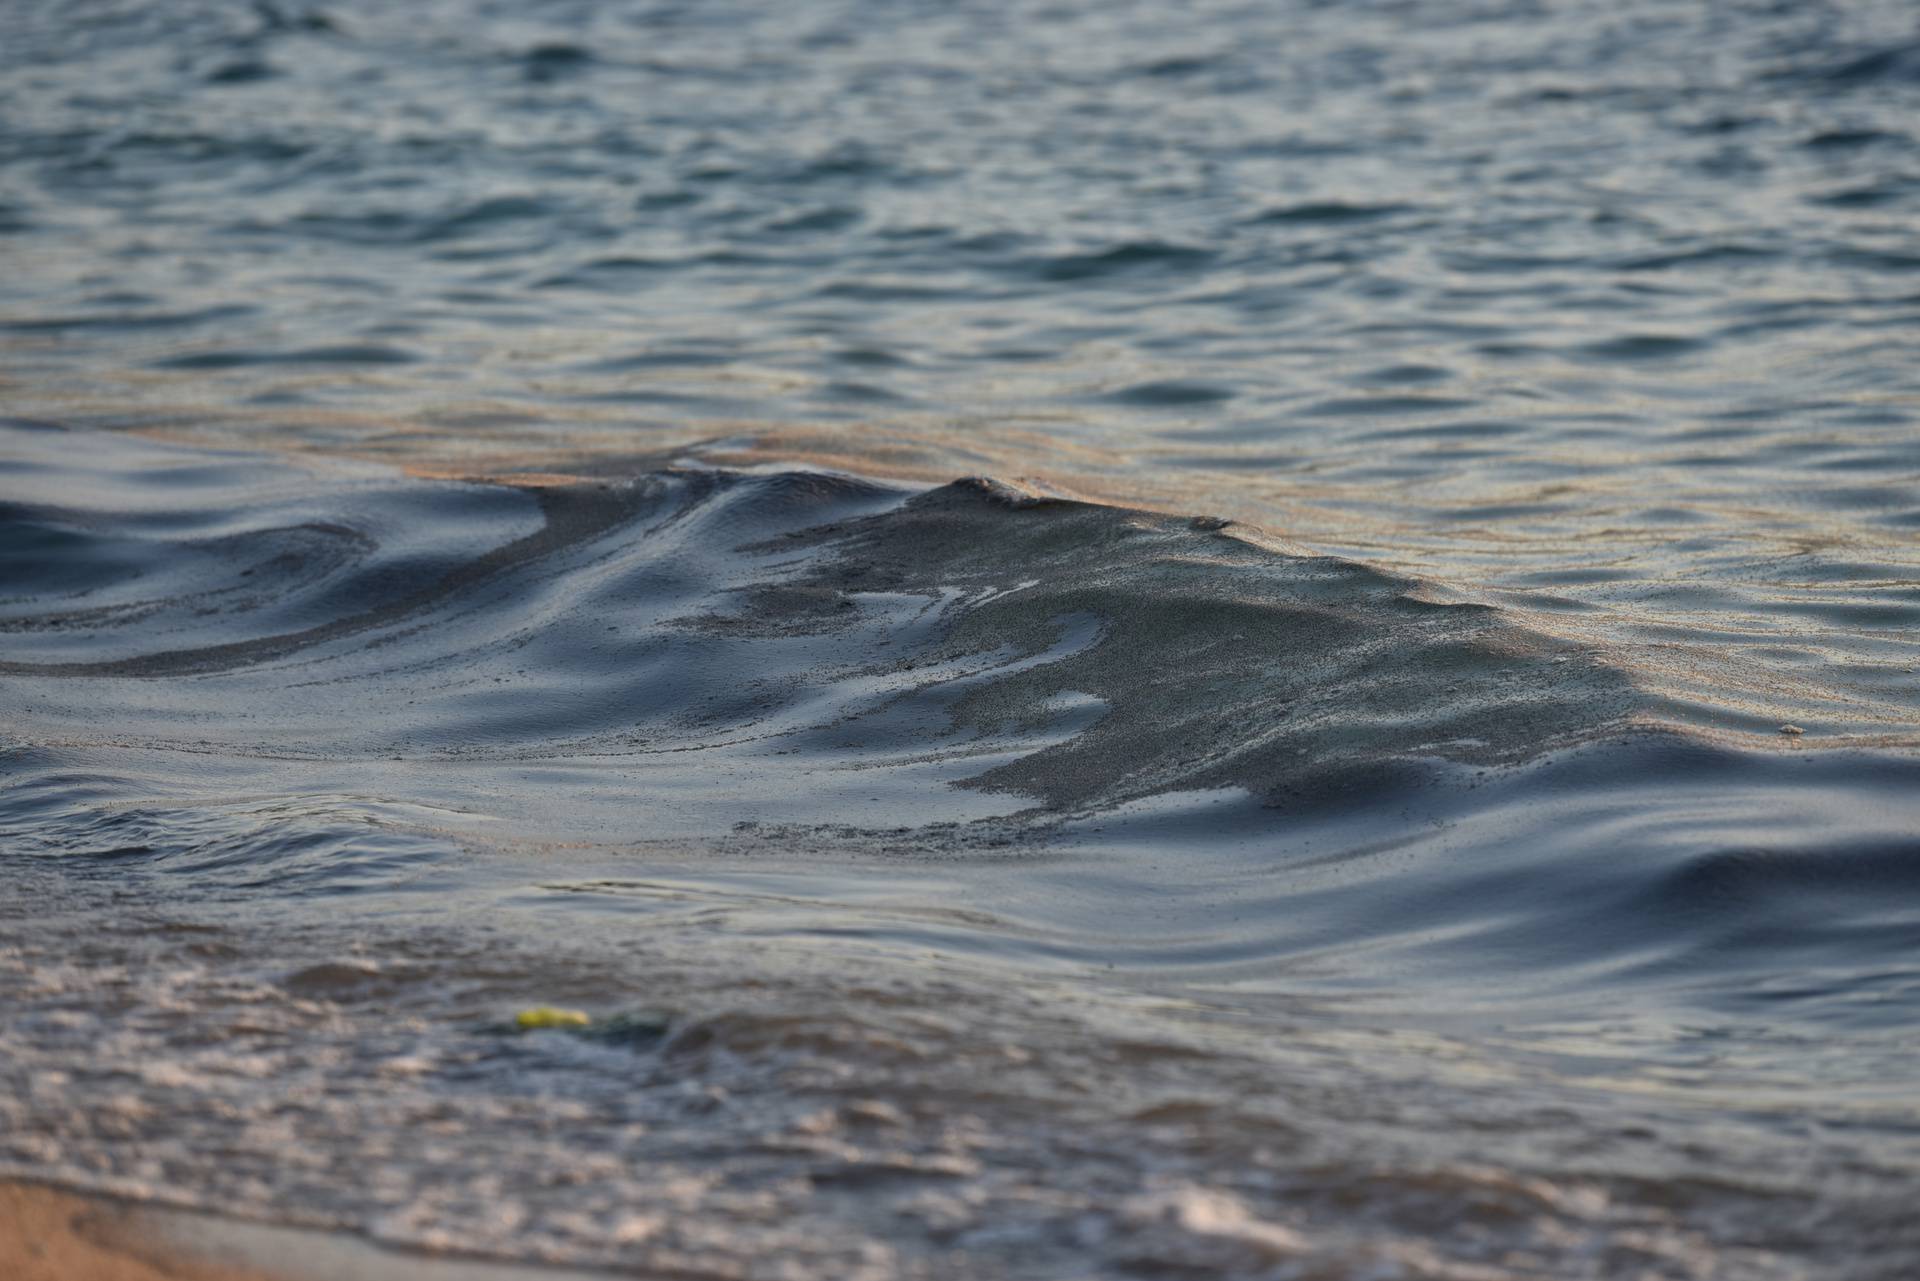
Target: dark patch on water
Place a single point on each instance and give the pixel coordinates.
(241, 73)
(1171, 395)
(549, 62)
(341, 354)
(1120, 260)
(1637, 347)
(1331, 211)
(1896, 63)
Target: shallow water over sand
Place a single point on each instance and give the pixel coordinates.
(481, 525)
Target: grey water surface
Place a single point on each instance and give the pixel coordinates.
(1104, 640)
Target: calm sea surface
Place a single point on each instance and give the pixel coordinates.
(1405, 767)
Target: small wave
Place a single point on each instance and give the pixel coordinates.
(1331, 211)
(1171, 394)
(413, 227)
(1732, 254)
(1386, 405)
(1877, 195)
(546, 63)
(337, 354)
(828, 218)
(1219, 660)
(1117, 261)
(1892, 63)
(1642, 347)
(1179, 66)
(1849, 139)
(130, 321)
(244, 72)
(614, 271)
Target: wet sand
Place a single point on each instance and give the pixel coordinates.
(51, 1235)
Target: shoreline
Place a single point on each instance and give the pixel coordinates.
(53, 1234)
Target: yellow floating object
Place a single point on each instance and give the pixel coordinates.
(547, 1016)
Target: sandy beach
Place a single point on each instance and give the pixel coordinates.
(52, 1236)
